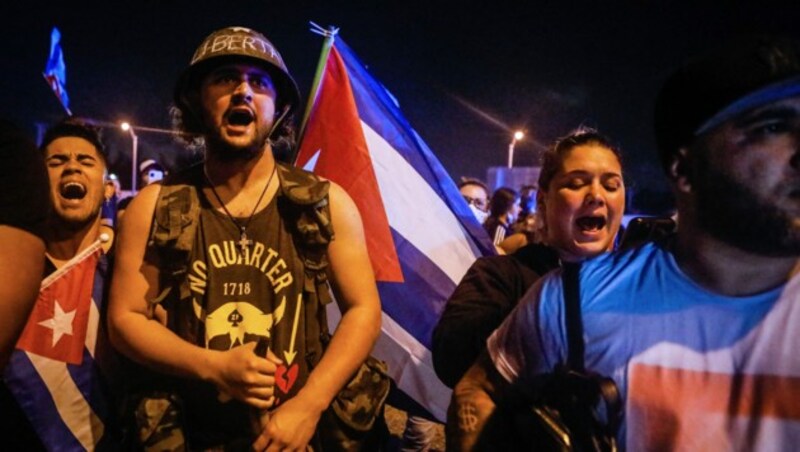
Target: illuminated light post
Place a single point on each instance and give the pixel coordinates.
(518, 135)
(125, 126)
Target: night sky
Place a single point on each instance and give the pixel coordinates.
(545, 67)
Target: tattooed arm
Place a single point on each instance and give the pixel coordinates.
(473, 403)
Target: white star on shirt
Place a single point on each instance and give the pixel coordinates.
(61, 323)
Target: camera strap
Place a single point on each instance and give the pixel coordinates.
(572, 312)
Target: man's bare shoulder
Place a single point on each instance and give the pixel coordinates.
(339, 195)
(344, 211)
(145, 200)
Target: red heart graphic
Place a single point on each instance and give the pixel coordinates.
(285, 378)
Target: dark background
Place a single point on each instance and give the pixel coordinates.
(545, 67)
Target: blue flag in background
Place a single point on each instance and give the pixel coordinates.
(421, 235)
(55, 72)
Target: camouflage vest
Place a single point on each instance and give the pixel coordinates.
(354, 420)
(172, 235)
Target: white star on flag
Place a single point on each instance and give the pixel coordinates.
(61, 323)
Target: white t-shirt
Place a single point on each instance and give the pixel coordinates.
(696, 370)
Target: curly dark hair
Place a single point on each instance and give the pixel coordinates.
(76, 127)
(554, 155)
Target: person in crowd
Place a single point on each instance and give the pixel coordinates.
(75, 162)
(503, 211)
(527, 214)
(111, 194)
(239, 323)
(150, 171)
(581, 202)
(24, 205)
(528, 227)
(698, 331)
(108, 213)
(476, 193)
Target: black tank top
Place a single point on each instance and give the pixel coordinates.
(242, 295)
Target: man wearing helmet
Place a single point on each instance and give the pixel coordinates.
(246, 279)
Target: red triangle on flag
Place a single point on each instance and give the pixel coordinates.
(57, 325)
(334, 128)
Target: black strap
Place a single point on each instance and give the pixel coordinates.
(574, 323)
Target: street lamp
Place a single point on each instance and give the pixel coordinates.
(518, 135)
(125, 126)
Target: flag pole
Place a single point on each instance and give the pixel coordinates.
(330, 36)
(77, 259)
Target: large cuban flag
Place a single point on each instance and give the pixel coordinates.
(421, 235)
(54, 372)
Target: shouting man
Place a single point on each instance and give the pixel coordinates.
(221, 274)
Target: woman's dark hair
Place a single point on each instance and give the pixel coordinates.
(502, 200)
(75, 127)
(554, 155)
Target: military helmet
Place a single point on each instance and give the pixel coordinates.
(236, 43)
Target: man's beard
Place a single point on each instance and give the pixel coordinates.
(734, 214)
(225, 151)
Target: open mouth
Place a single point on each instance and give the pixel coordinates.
(590, 223)
(241, 117)
(73, 190)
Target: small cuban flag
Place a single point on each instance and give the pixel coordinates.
(57, 325)
(57, 374)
